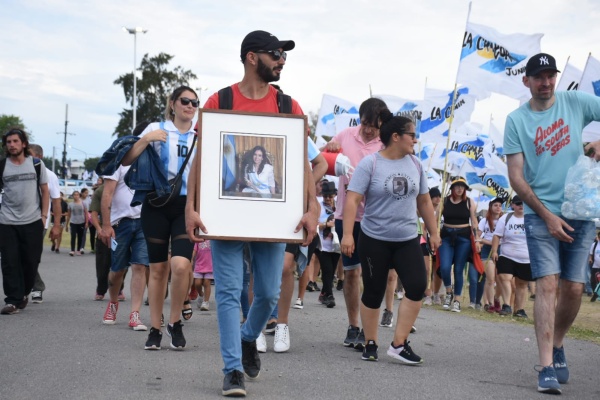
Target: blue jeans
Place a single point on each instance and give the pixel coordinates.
(244, 300)
(476, 285)
(549, 256)
(454, 255)
(228, 269)
(131, 245)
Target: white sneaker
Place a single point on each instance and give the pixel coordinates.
(299, 304)
(261, 343)
(400, 294)
(282, 338)
(455, 306)
(200, 301)
(427, 301)
(205, 306)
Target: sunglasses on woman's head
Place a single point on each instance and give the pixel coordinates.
(185, 101)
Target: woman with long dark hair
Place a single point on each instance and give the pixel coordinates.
(162, 226)
(258, 172)
(393, 184)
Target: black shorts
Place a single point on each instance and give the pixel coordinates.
(519, 270)
(294, 248)
(164, 224)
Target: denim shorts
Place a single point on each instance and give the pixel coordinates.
(131, 245)
(353, 262)
(549, 256)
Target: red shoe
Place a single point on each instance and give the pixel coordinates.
(121, 296)
(193, 293)
(110, 315)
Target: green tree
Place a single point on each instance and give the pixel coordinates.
(153, 88)
(10, 121)
(90, 163)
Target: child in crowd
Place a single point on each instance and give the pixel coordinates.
(203, 273)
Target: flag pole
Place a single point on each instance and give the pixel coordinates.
(445, 172)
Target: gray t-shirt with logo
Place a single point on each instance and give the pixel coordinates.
(21, 199)
(390, 188)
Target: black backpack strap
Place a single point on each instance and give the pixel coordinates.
(37, 164)
(2, 165)
(284, 103)
(226, 98)
(508, 217)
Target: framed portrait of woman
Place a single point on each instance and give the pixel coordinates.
(251, 175)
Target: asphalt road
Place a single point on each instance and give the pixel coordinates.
(61, 350)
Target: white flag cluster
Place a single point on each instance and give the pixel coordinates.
(495, 62)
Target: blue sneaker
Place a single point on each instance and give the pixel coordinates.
(559, 362)
(547, 382)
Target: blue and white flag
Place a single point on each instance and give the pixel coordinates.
(492, 182)
(330, 107)
(229, 166)
(495, 62)
(437, 109)
(590, 83)
(343, 121)
(465, 153)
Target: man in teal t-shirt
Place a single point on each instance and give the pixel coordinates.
(542, 140)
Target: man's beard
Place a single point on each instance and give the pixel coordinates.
(265, 73)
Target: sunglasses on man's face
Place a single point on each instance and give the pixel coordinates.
(185, 101)
(517, 204)
(275, 54)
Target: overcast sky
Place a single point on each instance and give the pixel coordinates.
(54, 52)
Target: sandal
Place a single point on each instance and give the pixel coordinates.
(187, 313)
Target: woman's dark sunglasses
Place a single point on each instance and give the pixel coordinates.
(185, 101)
(275, 54)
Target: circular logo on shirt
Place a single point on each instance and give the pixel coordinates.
(399, 186)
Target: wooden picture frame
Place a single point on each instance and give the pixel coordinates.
(251, 181)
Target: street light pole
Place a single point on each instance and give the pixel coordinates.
(134, 32)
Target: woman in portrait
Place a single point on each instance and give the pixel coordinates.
(258, 172)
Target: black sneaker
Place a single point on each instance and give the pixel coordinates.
(506, 310)
(353, 332)
(315, 286)
(250, 359)
(154, 338)
(370, 351)
(359, 343)
(404, 354)
(270, 329)
(233, 384)
(309, 287)
(329, 301)
(520, 314)
(175, 332)
(387, 318)
(340, 284)
(322, 297)
(594, 297)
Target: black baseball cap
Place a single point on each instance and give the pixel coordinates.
(497, 200)
(540, 62)
(261, 40)
(516, 200)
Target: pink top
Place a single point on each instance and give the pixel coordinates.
(203, 263)
(355, 149)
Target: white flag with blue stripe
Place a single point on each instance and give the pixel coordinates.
(495, 62)
(590, 83)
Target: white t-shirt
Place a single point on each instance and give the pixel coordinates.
(326, 243)
(484, 227)
(596, 254)
(54, 189)
(120, 207)
(173, 152)
(513, 241)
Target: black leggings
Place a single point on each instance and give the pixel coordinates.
(77, 230)
(377, 257)
(328, 263)
(164, 223)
